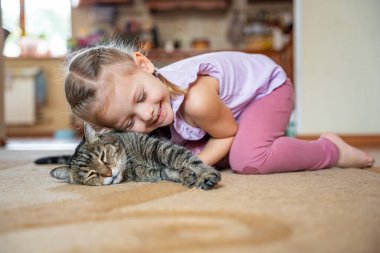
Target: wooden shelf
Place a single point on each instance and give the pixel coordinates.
(102, 2)
(167, 5)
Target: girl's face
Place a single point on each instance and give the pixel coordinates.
(140, 102)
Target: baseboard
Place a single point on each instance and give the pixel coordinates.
(354, 140)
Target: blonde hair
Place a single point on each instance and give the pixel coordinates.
(84, 76)
(173, 89)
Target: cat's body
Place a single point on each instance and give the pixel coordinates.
(116, 157)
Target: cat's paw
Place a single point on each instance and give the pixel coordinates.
(208, 180)
(189, 178)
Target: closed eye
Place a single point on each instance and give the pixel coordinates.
(90, 174)
(130, 124)
(142, 97)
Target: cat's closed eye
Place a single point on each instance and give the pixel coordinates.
(90, 174)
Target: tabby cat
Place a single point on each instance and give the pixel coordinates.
(116, 157)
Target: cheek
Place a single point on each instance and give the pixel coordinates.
(169, 114)
(160, 91)
(139, 127)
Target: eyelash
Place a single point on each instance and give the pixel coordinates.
(129, 125)
(142, 98)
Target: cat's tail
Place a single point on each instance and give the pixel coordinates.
(63, 159)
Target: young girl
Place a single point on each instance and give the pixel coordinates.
(217, 104)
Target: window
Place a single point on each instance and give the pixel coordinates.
(38, 27)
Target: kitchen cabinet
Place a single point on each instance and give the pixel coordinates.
(166, 5)
(80, 3)
(52, 115)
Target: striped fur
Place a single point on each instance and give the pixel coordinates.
(115, 157)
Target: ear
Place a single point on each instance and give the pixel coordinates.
(61, 173)
(143, 62)
(90, 134)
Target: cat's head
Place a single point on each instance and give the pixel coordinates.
(97, 160)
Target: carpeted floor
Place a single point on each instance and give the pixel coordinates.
(335, 210)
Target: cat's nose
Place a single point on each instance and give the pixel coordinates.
(108, 173)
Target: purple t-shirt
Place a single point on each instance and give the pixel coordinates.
(242, 78)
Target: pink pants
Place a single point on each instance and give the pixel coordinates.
(261, 147)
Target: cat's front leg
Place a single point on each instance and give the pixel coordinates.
(180, 165)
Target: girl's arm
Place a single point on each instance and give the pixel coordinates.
(203, 108)
(215, 150)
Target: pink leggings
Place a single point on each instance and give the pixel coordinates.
(261, 147)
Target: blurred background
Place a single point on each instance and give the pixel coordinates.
(330, 49)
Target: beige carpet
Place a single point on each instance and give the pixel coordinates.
(332, 210)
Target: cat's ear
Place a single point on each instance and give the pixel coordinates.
(61, 173)
(90, 134)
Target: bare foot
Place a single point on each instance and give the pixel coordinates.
(349, 156)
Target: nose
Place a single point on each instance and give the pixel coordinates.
(145, 112)
(109, 173)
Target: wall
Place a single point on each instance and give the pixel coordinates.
(337, 66)
(55, 114)
(2, 124)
